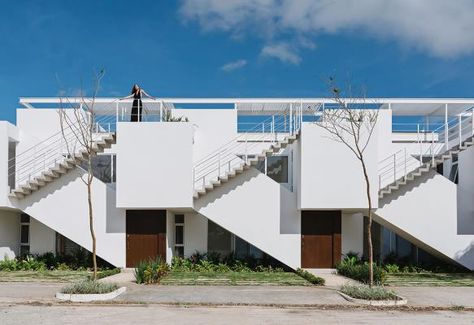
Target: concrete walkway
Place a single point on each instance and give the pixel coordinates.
(333, 280)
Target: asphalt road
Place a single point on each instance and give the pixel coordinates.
(156, 314)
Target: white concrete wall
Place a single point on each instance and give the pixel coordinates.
(9, 234)
(331, 175)
(170, 229)
(154, 165)
(42, 238)
(8, 133)
(62, 206)
(352, 233)
(195, 234)
(425, 212)
(260, 211)
(213, 128)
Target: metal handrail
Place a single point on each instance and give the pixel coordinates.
(457, 129)
(227, 156)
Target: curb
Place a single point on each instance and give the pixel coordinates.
(90, 297)
(379, 303)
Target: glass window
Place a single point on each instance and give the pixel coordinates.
(114, 167)
(277, 168)
(25, 234)
(179, 251)
(24, 218)
(179, 218)
(179, 235)
(24, 250)
(101, 167)
(219, 240)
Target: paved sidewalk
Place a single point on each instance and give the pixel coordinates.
(20, 292)
(437, 296)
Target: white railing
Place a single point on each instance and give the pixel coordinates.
(431, 146)
(237, 151)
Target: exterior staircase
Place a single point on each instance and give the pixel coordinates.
(451, 138)
(58, 166)
(426, 167)
(244, 165)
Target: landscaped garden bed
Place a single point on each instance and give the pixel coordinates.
(430, 279)
(375, 295)
(89, 290)
(51, 268)
(202, 270)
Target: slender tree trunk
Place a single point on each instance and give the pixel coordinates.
(369, 224)
(91, 217)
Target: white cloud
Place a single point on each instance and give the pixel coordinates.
(281, 51)
(442, 28)
(234, 65)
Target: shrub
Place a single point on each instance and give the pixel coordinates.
(368, 293)
(89, 287)
(31, 264)
(392, 268)
(151, 271)
(316, 280)
(359, 271)
(8, 264)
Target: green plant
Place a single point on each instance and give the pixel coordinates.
(105, 273)
(392, 268)
(29, 263)
(8, 264)
(316, 280)
(151, 271)
(89, 287)
(368, 293)
(359, 270)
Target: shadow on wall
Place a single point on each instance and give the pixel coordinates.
(466, 257)
(226, 188)
(465, 217)
(404, 189)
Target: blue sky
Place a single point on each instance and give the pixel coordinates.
(213, 48)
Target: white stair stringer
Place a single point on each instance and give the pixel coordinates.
(244, 166)
(258, 210)
(61, 167)
(425, 212)
(62, 206)
(425, 167)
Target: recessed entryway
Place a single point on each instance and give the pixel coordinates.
(146, 235)
(320, 239)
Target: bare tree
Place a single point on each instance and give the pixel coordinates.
(78, 123)
(352, 122)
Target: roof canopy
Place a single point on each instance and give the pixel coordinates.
(263, 106)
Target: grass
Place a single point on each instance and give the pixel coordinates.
(89, 287)
(51, 275)
(428, 279)
(368, 293)
(234, 278)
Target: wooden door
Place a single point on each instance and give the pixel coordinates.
(320, 239)
(146, 235)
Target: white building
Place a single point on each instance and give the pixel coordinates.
(244, 176)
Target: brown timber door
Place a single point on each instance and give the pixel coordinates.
(146, 235)
(320, 239)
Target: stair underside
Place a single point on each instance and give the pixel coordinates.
(61, 167)
(251, 162)
(426, 167)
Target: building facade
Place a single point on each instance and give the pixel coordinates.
(249, 177)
